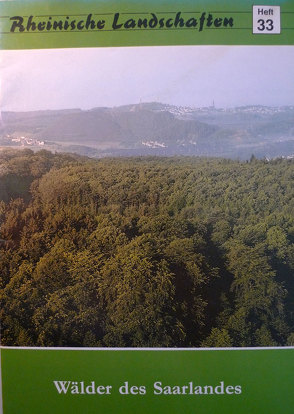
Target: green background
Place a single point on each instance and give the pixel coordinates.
(266, 377)
(241, 33)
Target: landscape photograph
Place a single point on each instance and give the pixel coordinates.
(147, 197)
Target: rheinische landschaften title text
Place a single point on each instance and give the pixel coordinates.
(203, 20)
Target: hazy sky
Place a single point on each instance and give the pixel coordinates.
(181, 75)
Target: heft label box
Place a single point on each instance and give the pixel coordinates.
(266, 20)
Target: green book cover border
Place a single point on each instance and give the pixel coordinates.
(117, 24)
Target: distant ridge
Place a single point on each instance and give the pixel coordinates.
(156, 128)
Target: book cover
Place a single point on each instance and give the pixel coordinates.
(146, 206)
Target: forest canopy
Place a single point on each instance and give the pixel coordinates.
(133, 252)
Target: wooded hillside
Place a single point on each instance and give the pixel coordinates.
(178, 252)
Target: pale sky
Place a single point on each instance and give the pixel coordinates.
(181, 75)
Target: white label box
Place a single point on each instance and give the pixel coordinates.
(266, 20)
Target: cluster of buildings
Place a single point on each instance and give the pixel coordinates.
(258, 109)
(25, 141)
(154, 144)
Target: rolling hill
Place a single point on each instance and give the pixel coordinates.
(157, 129)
